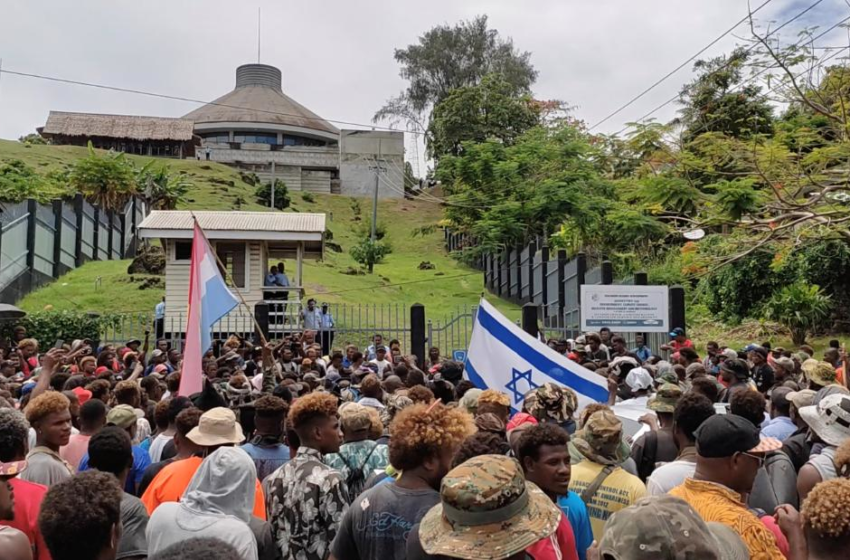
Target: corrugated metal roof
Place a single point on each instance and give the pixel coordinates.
(236, 221)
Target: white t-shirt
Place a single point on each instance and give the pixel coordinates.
(666, 477)
(383, 367)
(157, 447)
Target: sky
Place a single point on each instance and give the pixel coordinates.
(337, 55)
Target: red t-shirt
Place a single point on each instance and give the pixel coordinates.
(28, 497)
(561, 545)
(676, 345)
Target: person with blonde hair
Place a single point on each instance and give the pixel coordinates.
(50, 415)
(423, 442)
(826, 520)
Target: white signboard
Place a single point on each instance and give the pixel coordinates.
(624, 308)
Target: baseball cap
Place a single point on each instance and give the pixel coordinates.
(122, 416)
(156, 353)
(678, 331)
(12, 468)
(665, 527)
(723, 435)
(638, 379)
(729, 354)
(801, 398)
(487, 510)
(83, 395)
(736, 367)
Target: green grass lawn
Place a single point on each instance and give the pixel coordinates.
(449, 286)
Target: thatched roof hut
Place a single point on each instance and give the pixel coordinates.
(131, 127)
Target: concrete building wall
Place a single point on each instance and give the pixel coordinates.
(360, 150)
(316, 157)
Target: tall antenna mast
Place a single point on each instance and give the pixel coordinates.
(259, 31)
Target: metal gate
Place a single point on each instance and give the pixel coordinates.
(453, 333)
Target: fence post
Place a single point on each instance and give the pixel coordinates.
(544, 269)
(532, 250)
(499, 275)
(641, 279)
(417, 333)
(677, 307)
(562, 276)
(57, 238)
(110, 216)
(32, 208)
(508, 283)
(261, 314)
(96, 251)
(529, 319)
(581, 270)
(607, 273)
(78, 245)
(122, 254)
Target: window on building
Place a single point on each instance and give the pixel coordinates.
(183, 251)
(256, 138)
(233, 256)
(217, 138)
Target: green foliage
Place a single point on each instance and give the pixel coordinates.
(718, 100)
(308, 197)
(19, 181)
(491, 109)
(162, 189)
(281, 195)
(671, 194)
(49, 326)
(365, 230)
(33, 139)
(356, 209)
(369, 253)
(800, 307)
(737, 198)
(447, 58)
(107, 180)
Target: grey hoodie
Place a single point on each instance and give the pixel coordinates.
(217, 503)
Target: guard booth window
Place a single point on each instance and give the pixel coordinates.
(232, 256)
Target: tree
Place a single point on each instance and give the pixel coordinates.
(447, 58)
(281, 194)
(719, 100)
(162, 189)
(491, 109)
(801, 307)
(32, 138)
(107, 180)
(369, 253)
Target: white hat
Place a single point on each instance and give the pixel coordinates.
(829, 419)
(638, 379)
(217, 426)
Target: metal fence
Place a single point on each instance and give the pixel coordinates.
(40, 242)
(452, 333)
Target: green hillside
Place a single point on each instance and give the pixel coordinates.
(105, 286)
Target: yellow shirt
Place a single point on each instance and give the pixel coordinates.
(714, 502)
(618, 491)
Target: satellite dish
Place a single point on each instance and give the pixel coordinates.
(694, 234)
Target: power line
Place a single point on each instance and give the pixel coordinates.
(191, 100)
(381, 286)
(724, 66)
(682, 65)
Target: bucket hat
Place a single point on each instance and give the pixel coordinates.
(217, 426)
(600, 439)
(487, 511)
(666, 399)
(667, 528)
(821, 373)
(829, 419)
(551, 402)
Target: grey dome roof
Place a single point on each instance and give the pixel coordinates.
(259, 98)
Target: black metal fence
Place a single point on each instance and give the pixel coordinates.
(39, 243)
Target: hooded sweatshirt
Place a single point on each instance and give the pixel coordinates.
(217, 503)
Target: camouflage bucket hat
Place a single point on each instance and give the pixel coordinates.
(664, 527)
(551, 402)
(487, 511)
(599, 440)
(666, 399)
(821, 373)
(668, 376)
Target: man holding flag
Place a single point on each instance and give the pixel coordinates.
(209, 300)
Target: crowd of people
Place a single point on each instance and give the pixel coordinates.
(294, 452)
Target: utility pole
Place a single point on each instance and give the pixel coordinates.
(272, 196)
(378, 168)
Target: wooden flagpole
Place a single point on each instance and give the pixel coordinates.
(233, 284)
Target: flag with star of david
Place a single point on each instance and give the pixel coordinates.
(502, 356)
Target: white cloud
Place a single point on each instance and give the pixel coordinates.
(337, 56)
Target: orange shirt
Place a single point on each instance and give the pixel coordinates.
(172, 481)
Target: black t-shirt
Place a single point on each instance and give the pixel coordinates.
(379, 521)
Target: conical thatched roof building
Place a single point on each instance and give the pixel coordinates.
(258, 104)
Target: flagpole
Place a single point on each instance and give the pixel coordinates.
(227, 277)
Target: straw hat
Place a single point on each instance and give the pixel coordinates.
(217, 426)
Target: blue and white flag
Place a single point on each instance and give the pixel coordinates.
(504, 357)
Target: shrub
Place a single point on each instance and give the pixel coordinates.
(800, 307)
(107, 180)
(308, 197)
(50, 326)
(281, 194)
(369, 253)
(19, 181)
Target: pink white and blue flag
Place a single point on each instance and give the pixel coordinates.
(209, 301)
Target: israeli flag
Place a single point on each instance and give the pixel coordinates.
(504, 357)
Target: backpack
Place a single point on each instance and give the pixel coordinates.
(775, 483)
